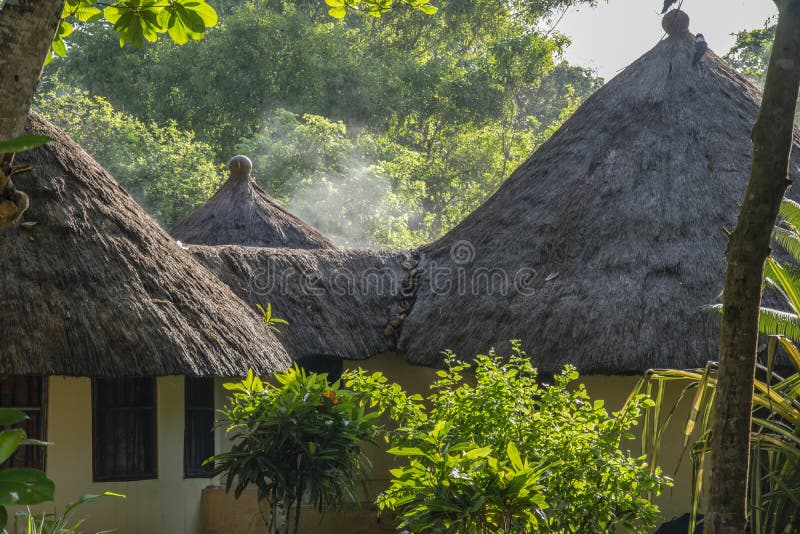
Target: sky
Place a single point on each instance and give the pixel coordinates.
(612, 35)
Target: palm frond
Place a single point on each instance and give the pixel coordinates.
(789, 211)
(789, 240)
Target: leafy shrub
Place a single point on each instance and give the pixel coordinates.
(28, 522)
(300, 437)
(490, 449)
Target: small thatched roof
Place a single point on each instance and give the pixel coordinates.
(241, 213)
(608, 240)
(96, 288)
(338, 304)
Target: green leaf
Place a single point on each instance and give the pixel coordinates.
(87, 14)
(337, 12)
(21, 486)
(3, 517)
(9, 441)
(204, 11)
(25, 142)
(513, 456)
(11, 416)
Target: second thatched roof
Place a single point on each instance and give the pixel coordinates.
(338, 304)
(96, 288)
(241, 213)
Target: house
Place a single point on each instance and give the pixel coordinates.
(112, 337)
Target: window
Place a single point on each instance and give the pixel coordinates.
(198, 442)
(124, 429)
(331, 365)
(26, 393)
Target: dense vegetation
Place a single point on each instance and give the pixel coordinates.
(380, 131)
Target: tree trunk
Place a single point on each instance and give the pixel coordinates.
(748, 248)
(27, 28)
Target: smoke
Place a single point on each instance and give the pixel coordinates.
(339, 183)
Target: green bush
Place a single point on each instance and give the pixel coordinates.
(300, 438)
(491, 449)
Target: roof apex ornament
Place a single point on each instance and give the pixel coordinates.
(240, 166)
(675, 22)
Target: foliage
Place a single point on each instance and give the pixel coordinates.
(28, 522)
(379, 131)
(375, 8)
(750, 53)
(18, 485)
(24, 142)
(492, 429)
(774, 478)
(137, 20)
(298, 438)
(270, 321)
(164, 168)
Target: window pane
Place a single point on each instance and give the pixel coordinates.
(124, 429)
(199, 436)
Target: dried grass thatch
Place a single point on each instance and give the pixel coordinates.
(338, 303)
(613, 229)
(241, 213)
(96, 288)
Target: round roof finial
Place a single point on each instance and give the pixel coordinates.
(675, 22)
(240, 166)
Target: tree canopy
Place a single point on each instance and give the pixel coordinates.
(429, 114)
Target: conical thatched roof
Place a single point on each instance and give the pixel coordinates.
(96, 288)
(241, 213)
(608, 240)
(338, 304)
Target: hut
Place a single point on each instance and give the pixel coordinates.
(241, 213)
(112, 335)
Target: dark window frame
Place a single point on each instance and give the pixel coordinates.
(189, 470)
(38, 453)
(144, 475)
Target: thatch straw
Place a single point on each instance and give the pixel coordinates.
(96, 288)
(337, 303)
(613, 228)
(241, 213)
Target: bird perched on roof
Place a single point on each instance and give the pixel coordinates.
(700, 48)
(667, 5)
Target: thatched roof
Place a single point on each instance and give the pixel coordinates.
(241, 213)
(96, 288)
(613, 229)
(338, 303)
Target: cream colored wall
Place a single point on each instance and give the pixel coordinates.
(614, 390)
(168, 504)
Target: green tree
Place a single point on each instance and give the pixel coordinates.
(436, 111)
(165, 169)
